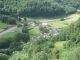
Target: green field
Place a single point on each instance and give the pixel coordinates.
(3, 25)
(9, 34)
(58, 24)
(34, 31)
(12, 34)
(59, 46)
(1, 30)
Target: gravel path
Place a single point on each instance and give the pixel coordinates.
(8, 30)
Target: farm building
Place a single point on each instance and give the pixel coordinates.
(44, 24)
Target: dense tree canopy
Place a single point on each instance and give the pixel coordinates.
(42, 49)
(39, 7)
(70, 33)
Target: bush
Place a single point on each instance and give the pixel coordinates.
(16, 46)
(8, 19)
(6, 51)
(22, 37)
(5, 42)
(3, 56)
(51, 45)
(57, 54)
(25, 24)
(19, 56)
(12, 20)
(19, 25)
(70, 55)
(42, 56)
(25, 29)
(62, 19)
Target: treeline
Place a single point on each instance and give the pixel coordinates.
(11, 44)
(71, 33)
(8, 19)
(39, 7)
(38, 50)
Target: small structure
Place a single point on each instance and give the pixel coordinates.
(44, 24)
(32, 24)
(22, 18)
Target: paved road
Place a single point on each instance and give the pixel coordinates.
(6, 31)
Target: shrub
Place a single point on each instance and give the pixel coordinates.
(25, 24)
(6, 51)
(12, 20)
(3, 56)
(19, 56)
(25, 29)
(5, 42)
(16, 46)
(51, 45)
(70, 54)
(19, 25)
(22, 37)
(8, 19)
(62, 19)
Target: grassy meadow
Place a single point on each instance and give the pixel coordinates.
(58, 24)
(9, 34)
(1, 30)
(3, 25)
(34, 31)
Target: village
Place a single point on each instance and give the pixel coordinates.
(41, 28)
(45, 30)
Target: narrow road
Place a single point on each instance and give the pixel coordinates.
(8, 30)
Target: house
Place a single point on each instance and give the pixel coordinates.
(44, 24)
(32, 24)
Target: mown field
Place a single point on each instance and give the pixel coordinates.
(3, 25)
(34, 31)
(67, 21)
(9, 34)
(58, 24)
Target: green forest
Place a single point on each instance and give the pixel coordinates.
(63, 46)
(39, 7)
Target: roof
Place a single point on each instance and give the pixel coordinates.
(44, 24)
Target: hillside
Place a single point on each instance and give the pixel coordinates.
(40, 39)
(64, 46)
(71, 33)
(39, 7)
